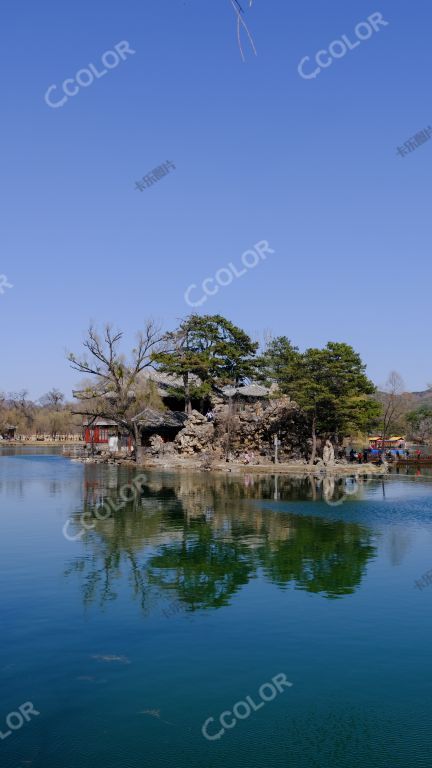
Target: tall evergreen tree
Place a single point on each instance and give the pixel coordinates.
(207, 351)
(279, 361)
(329, 385)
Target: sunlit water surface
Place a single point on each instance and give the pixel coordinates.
(127, 636)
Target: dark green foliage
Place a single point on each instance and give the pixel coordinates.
(279, 362)
(208, 348)
(330, 386)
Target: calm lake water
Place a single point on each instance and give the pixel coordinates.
(128, 636)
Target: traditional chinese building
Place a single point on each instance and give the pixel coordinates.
(376, 443)
(247, 394)
(9, 432)
(97, 431)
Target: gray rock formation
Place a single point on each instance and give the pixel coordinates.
(197, 435)
(328, 454)
(249, 428)
(254, 427)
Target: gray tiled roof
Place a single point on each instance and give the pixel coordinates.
(248, 390)
(152, 418)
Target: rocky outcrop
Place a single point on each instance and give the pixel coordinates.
(196, 437)
(253, 429)
(247, 429)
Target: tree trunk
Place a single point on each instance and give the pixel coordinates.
(137, 443)
(188, 405)
(228, 430)
(314, 440)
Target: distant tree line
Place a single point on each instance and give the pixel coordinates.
(50, 415)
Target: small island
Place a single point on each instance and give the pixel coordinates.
(207, 396)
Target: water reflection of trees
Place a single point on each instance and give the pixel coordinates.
(325, 557)
(198, 539)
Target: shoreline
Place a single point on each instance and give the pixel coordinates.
(196, 464)
(32, 443)
(288, 468)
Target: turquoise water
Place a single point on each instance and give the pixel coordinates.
(128, 636)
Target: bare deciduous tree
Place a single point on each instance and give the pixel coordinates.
(53, 399)
(23, 407)
(394, 404)
(116, 389)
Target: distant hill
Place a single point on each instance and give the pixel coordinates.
(421, 398)
(413, 400)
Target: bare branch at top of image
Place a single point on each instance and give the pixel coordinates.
(241, 23)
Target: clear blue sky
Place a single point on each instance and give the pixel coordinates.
(260, 153)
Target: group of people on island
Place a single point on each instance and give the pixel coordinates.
(362, 457)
